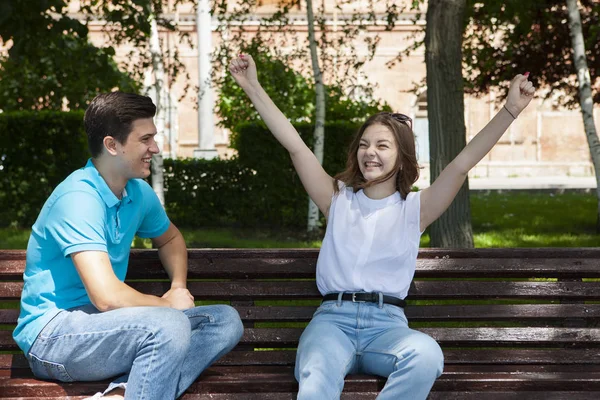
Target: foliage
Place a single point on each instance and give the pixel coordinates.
(37, 151)
(207, 192)
(275, 37)
(39, 71)
(291, 92)
(506, 37)
(340, 107)
(276, 184)
(500, 219)
(287, 88)
(259, 188)
(128, 24)
(52, 64)
(509, 37)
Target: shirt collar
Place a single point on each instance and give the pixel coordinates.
(368, 206)
(106, 194)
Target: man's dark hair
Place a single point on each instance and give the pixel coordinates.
(112, 114)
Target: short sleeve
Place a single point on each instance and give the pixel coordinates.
(342, 188)
(413, 209)
(154, 221)
(77, 223)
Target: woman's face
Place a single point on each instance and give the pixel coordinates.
(377, 152)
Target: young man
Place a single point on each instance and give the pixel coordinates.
(79, 321)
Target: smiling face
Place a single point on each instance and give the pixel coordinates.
(383, 151)
(377, 152)
(137, 151)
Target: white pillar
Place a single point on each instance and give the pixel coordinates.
(206, 141)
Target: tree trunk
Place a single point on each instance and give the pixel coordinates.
(319, 133)
(446, 113)
(585, 94)
(159, 76)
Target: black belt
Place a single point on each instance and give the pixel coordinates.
(362, 297)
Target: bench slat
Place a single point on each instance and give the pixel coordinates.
(492, 312)
(300, 263)
(480, 337)
(304, 269)
(420, 290)
(534, 362)
(516, 395)
(426, 268)
(9, 316)
(510, 312)
(455, 337)
(460, 395)
(547, 357)
(582, 357)
(434, 253)
(259, 379)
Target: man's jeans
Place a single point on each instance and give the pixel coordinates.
(345, 337)
(158, 351)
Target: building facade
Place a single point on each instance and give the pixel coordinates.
(544, 141)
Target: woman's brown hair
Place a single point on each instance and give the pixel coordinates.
(406, 167)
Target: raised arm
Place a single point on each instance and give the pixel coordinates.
(317, 183)
(437, 198)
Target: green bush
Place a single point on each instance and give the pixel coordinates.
(207, 192)
(37, 151)
(292, 92)
(259, 188)
(278, 196)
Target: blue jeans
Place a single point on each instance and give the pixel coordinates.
(159, 352)
(348, 338)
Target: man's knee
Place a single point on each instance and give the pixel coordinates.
(172, 330)
(231, 325)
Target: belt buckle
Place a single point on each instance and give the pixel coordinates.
(354, 298)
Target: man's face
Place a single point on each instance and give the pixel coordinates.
(135, 154)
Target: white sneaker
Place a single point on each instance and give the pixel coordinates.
(102, 396)
(106, 394)
(96, 396)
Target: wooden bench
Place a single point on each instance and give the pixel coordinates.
(513, 323)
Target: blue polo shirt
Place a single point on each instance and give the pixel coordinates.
(81, 214)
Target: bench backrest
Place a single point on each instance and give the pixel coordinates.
(522, 306)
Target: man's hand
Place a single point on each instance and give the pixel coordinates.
(179, 298)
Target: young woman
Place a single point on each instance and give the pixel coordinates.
(367, 260)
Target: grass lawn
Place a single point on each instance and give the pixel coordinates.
(521, 219)
(508, 219)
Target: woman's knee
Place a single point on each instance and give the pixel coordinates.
(427, 353)
(317, 383)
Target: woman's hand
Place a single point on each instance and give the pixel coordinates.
(520, 94)
(243, 70)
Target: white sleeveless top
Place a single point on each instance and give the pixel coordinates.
(370, 245)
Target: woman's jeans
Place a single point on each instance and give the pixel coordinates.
(159, 352)
(370, 338)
